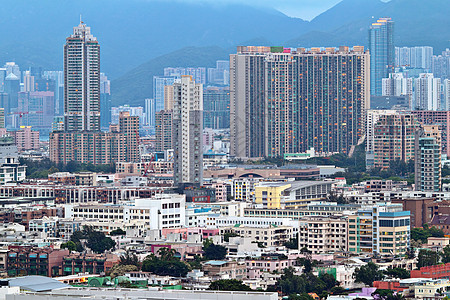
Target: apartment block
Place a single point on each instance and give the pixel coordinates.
(383, 229)
(323, 234)
(278, 104)
(394, 137)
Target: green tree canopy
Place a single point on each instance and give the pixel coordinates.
(367, 274)
(96, 241)
(213, 251)
(165, 264)
(427, 258)
(229, 285)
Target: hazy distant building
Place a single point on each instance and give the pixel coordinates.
(414, 57)
(187, 131)
(150, 110)
(28, 83)
(58, 78)
(82, 80)
(105, 101)
(12, 88)
(220, 75)
(446, 94)
(394, 138)
(159, 82)
(198, 73)
(441, 65)
(278, 102)
(398, 85)
(137, 111)
(427, 92)
(11, 67)
(382, 53)
(36, 109)
(216, 107)
(428, 159)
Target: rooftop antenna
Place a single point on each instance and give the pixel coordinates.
(81, 22)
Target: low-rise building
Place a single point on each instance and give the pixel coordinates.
(222, 269)
(291, 194)
(272, 236)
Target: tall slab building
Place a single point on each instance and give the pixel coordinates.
(382, 51)
(82, 80)
(286, 100)
(187, 129)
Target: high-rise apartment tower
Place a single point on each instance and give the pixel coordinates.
(82, 81)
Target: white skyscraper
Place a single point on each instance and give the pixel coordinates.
(187, 131)
(427, 92)
(82, 81)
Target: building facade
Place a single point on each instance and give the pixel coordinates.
(216, 108)
(82, 80)
(382, 52)
(428, 159)
(187, 131)
(394, 137)
(163, 130)
(277, 103)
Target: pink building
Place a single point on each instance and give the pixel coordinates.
(26, 139)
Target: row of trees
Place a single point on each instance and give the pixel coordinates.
(370, 272)
(41, 169)
(166, 262)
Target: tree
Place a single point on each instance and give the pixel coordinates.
(228, 285)
(129, 259)
(166, 253)
(119, 270)
(397, 273)
(445, 255)
(410, 253)
(227, 235)
(368, 274)
(334, 197)
(69, 245)
(97, 241)
(289, 283)
(292, 243)
(117, 231)
(422, 234)
(307, 263)
(427, 258)
(212, 251)
(165, 264)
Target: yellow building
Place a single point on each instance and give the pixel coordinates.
(291, 194)
(270, 194)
